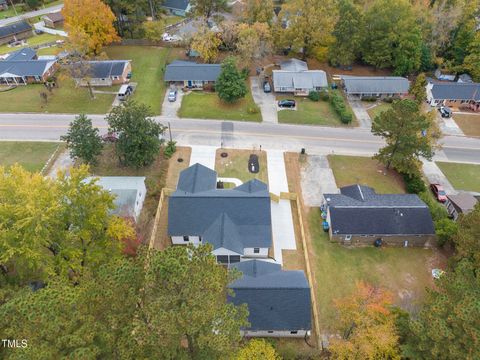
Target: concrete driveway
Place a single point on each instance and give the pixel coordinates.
(203, 155)
(449, 126)
(170, 109)
(266, 102)
(41, 26)
(317, 179)
(361, 113)
(436, 176)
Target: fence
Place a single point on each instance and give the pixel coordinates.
(165, 192)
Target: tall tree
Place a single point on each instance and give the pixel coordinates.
(418, 88)
(409, 134)
(466, 238)
(138, 133)
(89, 24)
(254, 42)
(259, 11)
(83, 140)
(207, 8)
(257, 349)
(472, 60)
(230, 84)
(347, 34)
(367, 326)
(206, 43)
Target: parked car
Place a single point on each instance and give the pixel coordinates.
(445, 111)
(287, 103)
(439, 192)
(266, 87)
(124, 92)
(172, 95)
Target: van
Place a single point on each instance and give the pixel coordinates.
(124, 92)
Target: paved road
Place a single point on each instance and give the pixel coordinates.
(31, 14)
(315, 139)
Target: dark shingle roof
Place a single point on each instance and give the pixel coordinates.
(176, 4)
(106, 69)
(15, 28)
(22, 54)
(456, 91)
(276, 299)
(359, 210)
(375, 84)
(187, 70)
(223, 233)
(197, 204)
(55, 16)
(25, 68)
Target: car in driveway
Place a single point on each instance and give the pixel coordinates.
(445, 112)
(439, 192)
(172, 95)
(286, 103)
(266, 87)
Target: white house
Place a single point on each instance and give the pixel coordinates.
(294, 77)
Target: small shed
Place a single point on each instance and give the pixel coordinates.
(53, 20)
(460, 204)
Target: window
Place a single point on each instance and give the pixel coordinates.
(348, 237)
(294, 332)
(234, 259)
(256, 250)
(185, 238)
(200, 238)
(270, 331)
(222, 259)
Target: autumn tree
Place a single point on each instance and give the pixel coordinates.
(466, 239)
(254, 42)
(472, 60)
(139, 134)
(418, 88)
(259, 11)
(257, 349)
(206, 43)
(366, 325)
(207, 8)
(230, 84)
(409, 134)
(154, 30)
(89, 24)
(83, 140)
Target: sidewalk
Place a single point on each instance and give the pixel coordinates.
(204, 155)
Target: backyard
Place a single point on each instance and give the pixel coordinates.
(349, 170)
(207, 105)
(469, 123)
(235, 165)
(462, 176)
(32, 41)
(31, 155)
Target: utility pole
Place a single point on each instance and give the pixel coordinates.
(13, 5)
(151, 9)
(170, 131)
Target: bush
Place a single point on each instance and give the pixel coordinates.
(170, 149)
(445, 230)
(414, 183)
(314, 95)
(438, 211)
(338, 104)
(346, 117)
(244, 73)
(388, 100)
(369, 98)
(324, 95)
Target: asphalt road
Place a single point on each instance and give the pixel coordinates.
(315, 139)
(30, 14)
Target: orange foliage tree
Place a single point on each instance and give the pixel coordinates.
(367, 325)
(89, 24)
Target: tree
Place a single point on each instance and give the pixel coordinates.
(254, 42)
(138, 133)
(230, 84)
(472, 60)
(367, 326)
(259, 11)
(154, 30)
(207, 8)
(206, 42)
(445, 229)
(89, 24)
(418, 88)
(32, 4)
(83, 140)
(466, 239)
(257, 349)
(408, 133)
(347, 34)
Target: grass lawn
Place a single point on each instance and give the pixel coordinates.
(349, 170)
(381, 107)
(170, 20)
(32, 41)
(31, 155)
(470, 124)
(53, 50)
(404, 271)
(462, 176)
(64, 99)
(236, 165)
(22, 9)
(207, 105)
(148, 64)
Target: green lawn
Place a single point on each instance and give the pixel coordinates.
(31, 155)
(462, 176)
(148, 64)
(206, 105)
(34, 40)
(310, 112)
(236, 165)
(373, 112)
(404, 271)
(170, 20)
(22, 9)
(349, 170)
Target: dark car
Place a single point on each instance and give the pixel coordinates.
(439, 192)
(287, 103)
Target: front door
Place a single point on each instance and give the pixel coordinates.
(189, 83)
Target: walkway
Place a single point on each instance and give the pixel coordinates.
(282, 221)
(364, 120)
(41, 26)
(266, 101)
(62, 162)
(204, 155)
(436, 176)
(317, 179)
(31, 14)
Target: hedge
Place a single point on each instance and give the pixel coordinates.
(340, 108)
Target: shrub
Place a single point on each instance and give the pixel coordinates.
(324, 95)
(414, 183)
(170, 149)
(346, 117)
(369, 98)
(445, 230)
(314, 95)
(338, 104)
(244, 73)
(388, 100)
(438, 211)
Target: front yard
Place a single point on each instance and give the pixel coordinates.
(462, 176)
(349, 170)
(469, 123)
(31, 155)
(207, 105)
(378, 109)
(235, 165)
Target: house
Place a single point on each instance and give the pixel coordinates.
(236, 222)
(191, 74)
(294, 77)
(379, 86)
(23, 67)
(278, 301)
(129, 194)
(176, 7)
(3, 5)
(444, 77)
(464, 78)
(460, 204)
(454, 94)
(102, 73)
(14, 32)
(53, 20)
(360, 216)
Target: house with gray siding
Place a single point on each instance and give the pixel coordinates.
(176, 7)
(192, 75)
(379, 86)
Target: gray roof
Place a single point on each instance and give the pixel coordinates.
(375, 84)
(465, 78)
(463, 202)
(55, 16)
(456, 91)
(3, 2)
(188, 70)
(276, 299)
(294, 65)
(104, 69)
(24, 63)
(176, 4)
(359, 210)
(15, 28)
(197, 208)
(309, 79)
(22, 54)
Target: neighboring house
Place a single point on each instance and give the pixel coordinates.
(278, 301)
(294, 77)
(129, 194)
(379, 86)
(14, 32)
(177, 7)
(103, 73)
(53, 20)
(236, 222)
(360, 216)
(3, 5)
(464, 78)
(23, 67)
(191, 74)
(444, 77)
(460, 204)
(454, 94)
